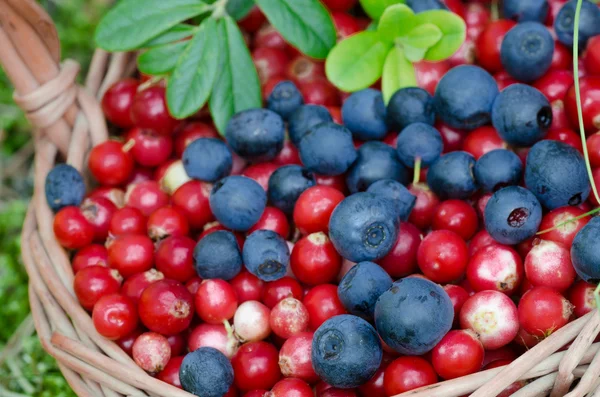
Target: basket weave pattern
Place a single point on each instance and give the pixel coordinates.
(67, 122)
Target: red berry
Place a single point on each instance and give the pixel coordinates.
(251, 321)
(216, 226)
(269, 62)
(177, 343)
(295, 358)
(375, 386)
(465, 55)
(591, 57)
(495, 267)
(131, 254)
(443, 256)
(503, 79)
(255, 366)
(146, 197)
(488, 44)
(256, 393)
(322, 303)
(339, 5)
(526, 340)
(291, 387)
(170, 374)
(483, 140)
(288, 318)
(150, 112)
(458, 354)
(275, 291)
(268, 36)
(590, 103)
(314, 207)
(562, 58)
(408, 373)
(481, 240)
(253, 20)
(110, 163)
(337, 182)
(555, 84)
(457, 216)
(99, 212)
(477, 17)
(272, 219)
(314, 259)
(190, 132)
(117, 101)
(422, 214)
(140, 174)
(127, 220)
(174, 258)
(165, 222)
(94, 282)
(216, 301)
(72, 229)
(402, 258)
(429, 74)
(564, 234)
(593, 147)
(458, 296)
(320, 92)
(116, 195)
(247, 287)
(91, 255)
(567, 136)
(193, 284)
(261, 173)
(333, 392)
(126, 342)
(115, 316)
(548, 264)
(213, 335)
(166, 307)
(302, 70)
(288, 155)
(192, 200)
(152, 352)
(451, 137)
(345, 25)
(581, 295)
(543, 310)
(149, 148)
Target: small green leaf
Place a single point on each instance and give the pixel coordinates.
(176, 33)
(356, 62)
(454, 32)
(423, 36)
(375, 8)
(131, 23)
(190, 84)
(306, 24)
(237, 87)
(414, 54)
(238, 9)
(397, 21)
(161, 60)
(398, 73)
(372, 26)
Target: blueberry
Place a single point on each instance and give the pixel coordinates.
(361, 287)
(64, 187)
(207, 159)
(266, 255)
(512, 215)
(286, 184)
(410, 105)
(521, 114)
(364, 114)
(375, 161)
(425, 5)
(419, 140)
(556, 173)
(526, 51)
(346, 351)
(206, 372)
(413, 315)
(497, 169)
(363, 227)
(304, 118)
(585, 254)
(526, 10)
(464, 97)
(327, 149)
(285, 99)
(217, 255)
(256, 134)
(402, 199)
(589, 23)
(451, 176)
(237, 202)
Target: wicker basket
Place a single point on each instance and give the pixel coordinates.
(68, 120)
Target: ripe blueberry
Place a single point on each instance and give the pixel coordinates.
(589, 23)
(237, 202)
(266, 255)
(497, 169)
(256, 134)
(207, 159)
(425, 5)
(206, 372)
(361, 287)
(584, 251)
(410, 105)
(285, 99)
(327, 149)
(451, 176)
(526, 10)
(526, 51)
(402, 199)
(419, 140)
(64, 187)
(217, 255)
(304, 118)
(286, 184)
(364, 114)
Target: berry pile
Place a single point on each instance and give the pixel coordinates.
(332, 244)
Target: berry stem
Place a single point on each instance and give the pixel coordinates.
(495, 10)
(592, 212)
(417, 170)
(219, 9)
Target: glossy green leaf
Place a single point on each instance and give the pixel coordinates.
(192, 79)
(398, 73)
(397, 21)
(357, 62)
(422, 36)
(306, 24)
(454, 32)
(414, 54)
(130, 24)
(238, 9)
(176, 33)
(161, 60)
(237, 87)
(375, 8)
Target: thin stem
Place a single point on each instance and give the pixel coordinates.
(417, 170)
(495, 10)
(574, 219)
(219, 9)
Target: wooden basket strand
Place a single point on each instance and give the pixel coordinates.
(67, 121)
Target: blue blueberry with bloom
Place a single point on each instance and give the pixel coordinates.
(64, 186)
(266, 255)
(364, 114)
(237, 202)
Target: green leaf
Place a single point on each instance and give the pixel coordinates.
(192, 80)
(161, 60)
(237, 87)
(357, 62)
(176, 33)
(398, 73)
(423, 36)
(375, 8)
(238, 9)
(454, 32)
(131, 23)
(414, 54)
(397, 21)
(306, 24)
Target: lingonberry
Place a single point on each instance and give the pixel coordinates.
(91, 255)
(590, 103)
(322, 303)
(130, 254)
(251, 321)
(215, 226)
(174, 258)
(452, 138)
(126, 342)
(487, 46)
(314, 259)
(98, 211)
(261, 172)
(339, 5)
(345, 25)
(548, 264)
(268, 36)
(193, 285)
(166, 307)
(402, 258)
(502, 354)
(320, 92)
(253, 20)
(465, 55)
(458, 295)
(334, 392)
(192, 200)
(152, 352)
(170, 374)
(593, 147)
(149, 148)
(314, 207)
(255, 366)
(566, 233)
(165, 222)
(581, 295)
(288, 318)
(269, 62)
(189, 133)
(117, 101)
(302, 69)
(555, 84)
(480, 240)
(477, 17)
(482, 203)
(337, 182)
(591, 57)
(513, 386)
(526, 340)
(114, 194)
(375, 386)
(171, 175)
(458, 354)
(408, 373)
(495, 267)
(443, 256)
(562, 59)
(543, 310)
(567, 136)
(493, 316)
(110, 163)
(256, 393)
(140, 174)
(177, 343)
(146, 197)
(72, 229)
(503, 79)
(275, 291)
(115, 316)
(149, 111)
(288, 155)
(429, 74)
(217, 336)
(291, 387)
(295, 358)
(483, 140)
(457, 216)
(272, 219)
(94, 282)
(216, 301)
(422, 214)
(247, 287)
(127, 220)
